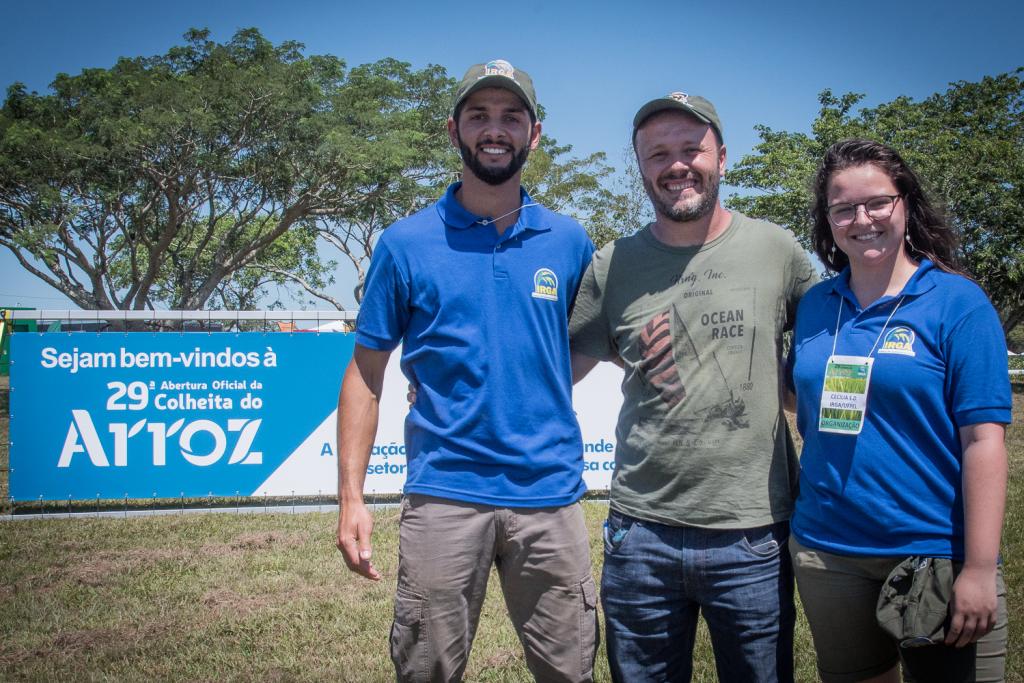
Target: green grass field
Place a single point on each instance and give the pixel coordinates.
(242, 597)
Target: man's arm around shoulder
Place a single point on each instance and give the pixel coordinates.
(582, 364)
(358, 411)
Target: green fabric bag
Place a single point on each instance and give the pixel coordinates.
(913, 606)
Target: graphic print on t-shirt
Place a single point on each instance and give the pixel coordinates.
(657, 362)
(667, 353)
(717, 402)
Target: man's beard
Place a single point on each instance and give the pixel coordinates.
(493, 176)
(698, 207)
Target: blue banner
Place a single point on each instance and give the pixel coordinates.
(166, 414)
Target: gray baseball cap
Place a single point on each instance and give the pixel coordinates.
(694, 105)
(497, 73)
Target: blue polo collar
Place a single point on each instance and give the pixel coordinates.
(456, 216)
(919, 283)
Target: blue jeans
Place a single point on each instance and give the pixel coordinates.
(657, 579)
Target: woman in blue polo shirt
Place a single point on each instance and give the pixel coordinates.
(899, 368)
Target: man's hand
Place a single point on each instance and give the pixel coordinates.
(973, 606)
(582, 365)
(355, 527)
(358, 411)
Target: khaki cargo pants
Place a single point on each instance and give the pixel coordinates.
(542, 556)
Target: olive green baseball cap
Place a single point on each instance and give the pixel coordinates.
(694, 105)
(497, 73)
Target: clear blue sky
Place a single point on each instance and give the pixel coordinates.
(593, 63)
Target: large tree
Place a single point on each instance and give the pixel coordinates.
(174, 179)
(966, 143)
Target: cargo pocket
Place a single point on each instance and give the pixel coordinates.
(589, 628)
(408, 637)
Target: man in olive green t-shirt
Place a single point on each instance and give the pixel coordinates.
(693, 306)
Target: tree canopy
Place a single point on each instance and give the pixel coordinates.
(966, 144)
(171, 179)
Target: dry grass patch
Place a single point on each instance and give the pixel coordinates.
(69, 647)
(223, 601)
(267, 540)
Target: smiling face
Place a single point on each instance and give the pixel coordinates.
(494, 134)
(680, 162)
(867, 242)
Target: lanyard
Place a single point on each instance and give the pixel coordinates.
(488, 221)
(839, 317)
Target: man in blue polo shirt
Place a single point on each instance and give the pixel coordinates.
(477, 288)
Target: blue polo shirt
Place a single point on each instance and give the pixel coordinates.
(483, 323)
(895, 489)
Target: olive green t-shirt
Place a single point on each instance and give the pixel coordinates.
(702, 440)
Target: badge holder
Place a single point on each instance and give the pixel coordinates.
(844, 396)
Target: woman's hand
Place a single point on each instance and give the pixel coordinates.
(973, 606)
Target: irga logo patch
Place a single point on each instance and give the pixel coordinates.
(899, 340)
(545, 285)
(499, 67)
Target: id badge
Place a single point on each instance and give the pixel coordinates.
(844, 397)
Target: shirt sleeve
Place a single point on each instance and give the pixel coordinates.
(588, 328)
(384, 310)
(586, 255)
(802, 277)
(977, 373)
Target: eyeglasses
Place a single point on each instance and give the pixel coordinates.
(877, 208)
